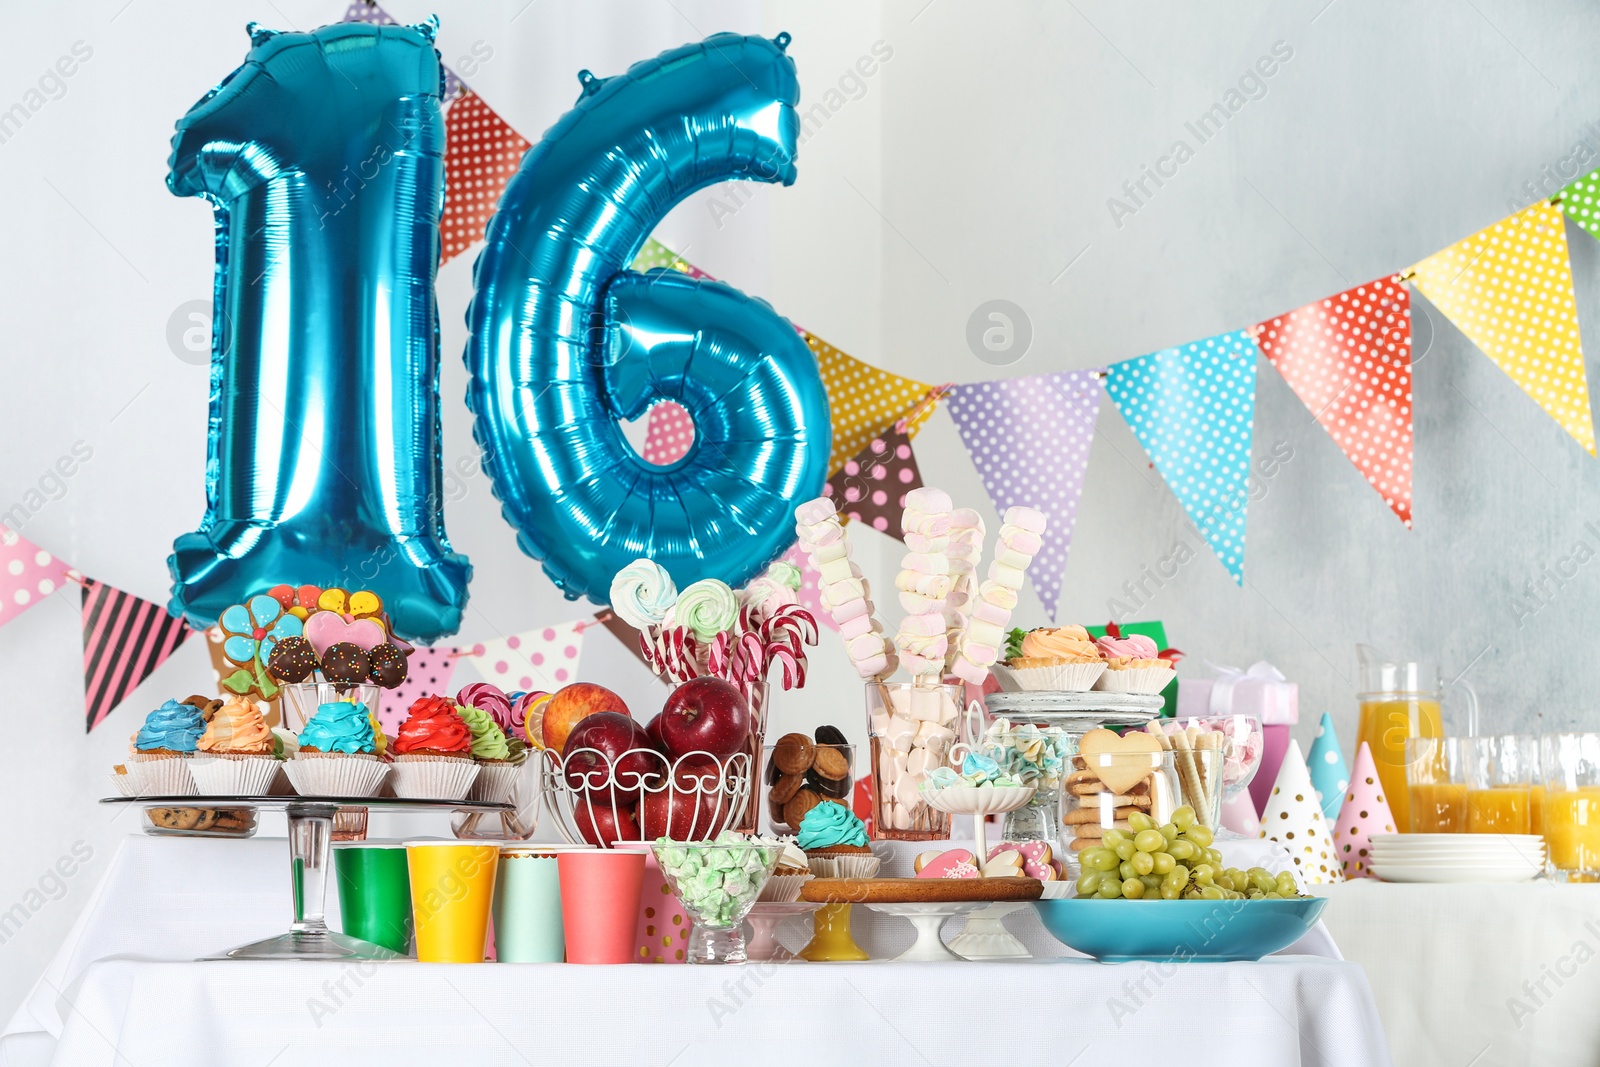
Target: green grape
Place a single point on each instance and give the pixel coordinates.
(1214, 858)
(1198, 834)
(1181, 850)
(1169, 892)
(1204, 874)
(1177, 879)
(1260, 879)
(1183, 817)
(1125, 850)
(1287, 885)
(1110, 889)
(1149, 840)
(1104, 860)
(1210, 892)
(1168, 831)
(1089, 881)
(1133, 889)
(1112, 838)
(1142, 863)
(1140, 821)
(1126, 869)
(1276, 896)
(1086, 857)
(1163, 862)
(1151, 882)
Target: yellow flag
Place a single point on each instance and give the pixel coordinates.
(865, 401)
(1509, 289)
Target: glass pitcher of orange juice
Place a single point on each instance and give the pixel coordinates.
(1399, 701)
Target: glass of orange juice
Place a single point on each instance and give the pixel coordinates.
(1501, 773)
(1436, 781)
(1570, 764)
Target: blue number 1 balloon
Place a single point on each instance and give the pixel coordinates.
(324, 158)
(564, 341)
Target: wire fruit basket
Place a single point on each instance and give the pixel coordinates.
(642, 795)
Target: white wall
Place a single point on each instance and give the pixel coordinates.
(976, 165)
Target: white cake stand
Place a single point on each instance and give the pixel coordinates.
(985, 937)
(928, 917)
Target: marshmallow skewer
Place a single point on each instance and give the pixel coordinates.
(966, 548)
(989, 615)
(843, 589)
(924, 583)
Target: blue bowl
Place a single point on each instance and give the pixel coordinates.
(1116, 931)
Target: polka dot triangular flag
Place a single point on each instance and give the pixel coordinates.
(1193, 410)
(865, 401)
(871, 488)
(655, 255)
(669, 432)
(1580, 202)
(1029, 439)
(428, 673)
(1509, 289)
(1348, 359)
(1329, 776)
(1294, 819)
(545, 657)
(481, 155)
(28, 574)
(1363, 814)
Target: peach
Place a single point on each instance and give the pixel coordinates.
(570, 705)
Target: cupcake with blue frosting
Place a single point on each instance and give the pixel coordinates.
(158, 763)
(338, 754)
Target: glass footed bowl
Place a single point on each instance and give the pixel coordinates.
(717, 882)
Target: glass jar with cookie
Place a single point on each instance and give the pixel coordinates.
(803, 771)
(1109, 779)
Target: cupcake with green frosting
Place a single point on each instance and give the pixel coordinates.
(498, 757)
(835, 843)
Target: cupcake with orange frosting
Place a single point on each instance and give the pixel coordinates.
(1133, 665)
(234, 755)
(1056, 658)
(433, 753)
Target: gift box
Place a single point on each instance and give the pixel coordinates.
(1156, 632)
(1261, 691)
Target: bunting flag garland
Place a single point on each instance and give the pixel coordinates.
(544, 658)
(1030, 438)
(655, 255)
(28, 574)
(1193, 410)
(865, 401)
(669, 432)
(1348, 359)
(124, 639)
(482, 154)
(872, 487)
(428, 673)
(810, 594)
(1580, 202)
(1509, 289)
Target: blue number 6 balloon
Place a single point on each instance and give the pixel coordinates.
(323, 156)
(564, 341)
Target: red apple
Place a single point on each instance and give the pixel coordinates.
(690, 810)
(611, 747)
(652, 729)
(705, 715)
(600, 824)
(571, 705)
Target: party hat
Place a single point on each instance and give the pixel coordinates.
(1294, 820)
(1239, 815)
(1365, 813)
(1329, 777)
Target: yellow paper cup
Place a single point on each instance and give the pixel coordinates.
(452, 893)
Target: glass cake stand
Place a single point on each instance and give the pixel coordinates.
(310, 830)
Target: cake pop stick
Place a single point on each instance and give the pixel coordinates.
(924, 582)
(842, 588)
(1019, 542)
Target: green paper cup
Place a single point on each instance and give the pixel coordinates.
(374, 893)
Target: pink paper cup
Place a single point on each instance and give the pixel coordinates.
(600, 892)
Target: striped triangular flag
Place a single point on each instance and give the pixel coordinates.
(124, 639)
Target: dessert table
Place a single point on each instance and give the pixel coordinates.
(124, 989)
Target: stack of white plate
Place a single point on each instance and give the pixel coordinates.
(1457, 857)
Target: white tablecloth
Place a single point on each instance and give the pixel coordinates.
(124, 975)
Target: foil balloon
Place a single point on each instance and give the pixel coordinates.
(564, 341)
(323, 156)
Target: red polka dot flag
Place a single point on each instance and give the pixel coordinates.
(1348, 358)
(871, 488)
(545, 657)
(481, 155)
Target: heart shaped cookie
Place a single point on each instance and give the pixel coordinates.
(324, 629)
(1120, 762)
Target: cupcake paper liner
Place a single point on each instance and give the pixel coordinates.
(433, 777)
(224, 775)
(1060, 677)
(124, 784)
(326, 774)
(1143, 680)
(159, 776)
(856, 865)
(495, 783)
(783, 888)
